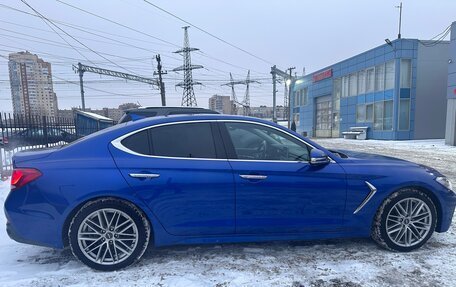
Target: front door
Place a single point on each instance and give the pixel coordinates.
(277, 190)
(180, 171)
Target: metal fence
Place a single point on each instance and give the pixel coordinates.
(19, 132)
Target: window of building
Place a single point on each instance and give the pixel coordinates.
(369, 112)
(304, 97)
(361, 113)
(382, 114)
(370, 80)
(255, 142)
(323, 115)
(353, 89)
(337, 88)
(404, 114)
(406, 73)
(390, 75)
(388, 115)
(345, 87)
(192, 140)
(365, 113)
(380, 77)
(378, 116)
(298, 98)
(361, 82)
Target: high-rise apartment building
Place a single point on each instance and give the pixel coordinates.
(221, 104)
(31, 85)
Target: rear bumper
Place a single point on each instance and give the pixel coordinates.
(30, 223)
(16, 237)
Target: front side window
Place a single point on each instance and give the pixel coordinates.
(256, 142)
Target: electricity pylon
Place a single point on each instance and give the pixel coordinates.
(246, 101)
(188, 95)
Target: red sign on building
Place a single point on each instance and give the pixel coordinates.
(322, 75)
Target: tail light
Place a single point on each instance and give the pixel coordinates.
(23, 176)
(5, 140)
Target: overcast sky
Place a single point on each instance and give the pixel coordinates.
(310, 34)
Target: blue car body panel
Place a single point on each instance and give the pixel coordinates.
(294, 198)
(206, 201)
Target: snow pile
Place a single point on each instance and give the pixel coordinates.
(357, 262)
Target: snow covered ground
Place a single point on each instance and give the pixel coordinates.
(357, 262)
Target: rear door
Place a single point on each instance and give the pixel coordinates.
(180, 170)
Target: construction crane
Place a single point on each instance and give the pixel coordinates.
(81, 69)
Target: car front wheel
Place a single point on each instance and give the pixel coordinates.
(405, 221)
(109, 234)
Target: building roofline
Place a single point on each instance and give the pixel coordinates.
(365, 52)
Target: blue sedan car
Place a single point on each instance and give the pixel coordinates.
(214, 179)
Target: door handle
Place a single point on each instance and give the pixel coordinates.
(144, 175)
(253, 176)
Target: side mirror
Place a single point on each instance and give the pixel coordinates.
(318, 157)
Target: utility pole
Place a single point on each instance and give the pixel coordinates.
(400, 20)
(285, 101)
(160, 79)
(274, 94)
(290, 70)
(188, 95)
(81, 83)
(274, 72)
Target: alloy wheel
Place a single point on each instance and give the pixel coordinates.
(408, 222)
(107, 236)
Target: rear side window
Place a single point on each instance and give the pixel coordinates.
(193, 140)
(138, 142)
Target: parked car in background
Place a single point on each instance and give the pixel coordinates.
(36, 136)
(214, 179)
(147, 112)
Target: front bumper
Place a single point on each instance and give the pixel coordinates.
(447, 200)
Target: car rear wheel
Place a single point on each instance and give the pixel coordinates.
(405, 221)
(109, 234)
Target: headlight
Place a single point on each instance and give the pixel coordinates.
(445, 182)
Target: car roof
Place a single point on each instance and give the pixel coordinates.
(146, 109)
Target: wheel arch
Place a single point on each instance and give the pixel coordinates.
(426, 191)
(74, 211)
(436, 201)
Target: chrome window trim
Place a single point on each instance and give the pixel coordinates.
(117, 143)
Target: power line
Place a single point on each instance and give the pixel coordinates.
(157, 38)
(47, 21)
(117, 23)
(206, 32)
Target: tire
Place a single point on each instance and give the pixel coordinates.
(109, 234)
(405, 221)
